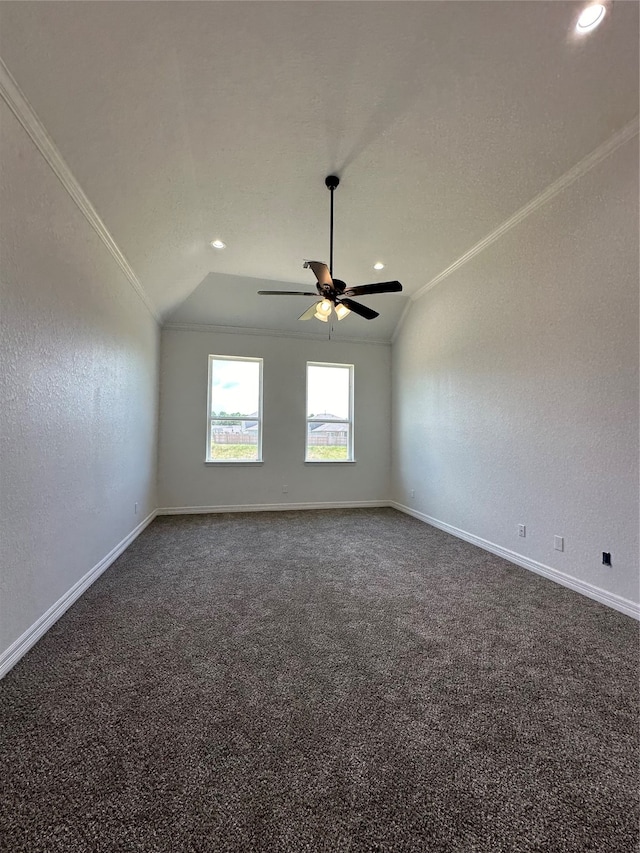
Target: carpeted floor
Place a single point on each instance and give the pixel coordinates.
(322, 681)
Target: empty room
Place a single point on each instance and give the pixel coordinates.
(319, 420)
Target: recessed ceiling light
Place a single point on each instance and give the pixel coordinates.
(378, 266)
(590, 17)
(218, 244)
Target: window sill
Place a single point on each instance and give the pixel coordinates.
(329, 461)
(234, 462)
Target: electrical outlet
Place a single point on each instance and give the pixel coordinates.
(606, 558)
(558, 543)
(135, 509)
(413, 493)
(522, 530)
(285, 489)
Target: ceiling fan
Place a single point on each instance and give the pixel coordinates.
(332, 292)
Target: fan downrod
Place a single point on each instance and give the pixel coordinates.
(331, 182)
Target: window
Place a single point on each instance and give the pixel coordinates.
(329, 412)
(234, 410)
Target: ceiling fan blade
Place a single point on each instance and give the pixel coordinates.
(308, 314)
(362, 310)
(321, 272)
(286, 293)
(378, 287)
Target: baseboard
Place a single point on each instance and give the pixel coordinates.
(198, 510)
(617, 602)
(10, 657)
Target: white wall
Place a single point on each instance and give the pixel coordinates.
(186, 481)
(516, 386)
(78, 393)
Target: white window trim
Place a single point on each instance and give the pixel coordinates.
(349, 420)
(208, 460)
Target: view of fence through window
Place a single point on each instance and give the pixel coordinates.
(329, 412)
(235, 409)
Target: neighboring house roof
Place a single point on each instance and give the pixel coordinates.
(327, 416)
(337, 427)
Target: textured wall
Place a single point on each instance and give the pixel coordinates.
(516, 386)
(185, 480)
(78, 388)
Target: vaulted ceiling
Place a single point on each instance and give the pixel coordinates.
(185, 122)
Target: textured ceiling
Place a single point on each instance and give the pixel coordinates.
(188, 121)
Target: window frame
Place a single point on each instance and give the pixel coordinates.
(348, 420)
(208, 460)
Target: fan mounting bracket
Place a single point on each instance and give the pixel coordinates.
(332, 182)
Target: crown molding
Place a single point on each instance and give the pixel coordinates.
(267, 333)
(17, 102)
(581, 168)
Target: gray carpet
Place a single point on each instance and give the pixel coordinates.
(322, 681)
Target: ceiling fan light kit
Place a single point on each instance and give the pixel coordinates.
(323, 310)
(334, 293)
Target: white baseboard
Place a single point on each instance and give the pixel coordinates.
(10, 657)
(197, 510)
(617, 602)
